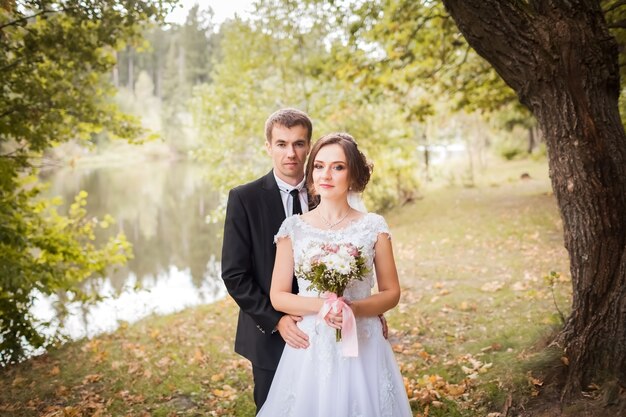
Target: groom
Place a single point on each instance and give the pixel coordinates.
(254, 213)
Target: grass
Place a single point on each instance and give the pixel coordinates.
(473, 262)
(474, 308)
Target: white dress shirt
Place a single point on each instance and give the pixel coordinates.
(285, 189)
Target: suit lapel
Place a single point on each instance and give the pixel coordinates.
(274, 201)
(277, 211)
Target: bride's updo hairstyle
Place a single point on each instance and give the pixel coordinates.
(359, 169)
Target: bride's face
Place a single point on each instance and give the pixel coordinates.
(331, 178)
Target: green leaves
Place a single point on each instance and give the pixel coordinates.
(42, 253)
(292, 54)
(55, 60)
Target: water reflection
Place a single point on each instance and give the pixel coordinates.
(161, 208)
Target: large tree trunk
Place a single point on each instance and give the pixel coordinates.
(560, 59)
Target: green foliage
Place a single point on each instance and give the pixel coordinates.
(184, 61)
(42, 253)
(395, 46)
(389, 143)
(198, 43)
(614, 14)
(418, 47)
(552, 280)
(403, 47)
(283, 58)
(515, 125)
(54, 58)
(229, 113)
(510, 149)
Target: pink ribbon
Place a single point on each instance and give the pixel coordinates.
(349, 340)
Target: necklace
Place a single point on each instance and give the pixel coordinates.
(331, 225)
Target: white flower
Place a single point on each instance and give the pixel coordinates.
(337, 262)
(314, 251)
(305, 266)
(331, 260)
(343, 268)
(343, 252)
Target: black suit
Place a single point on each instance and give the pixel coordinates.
(254, 214)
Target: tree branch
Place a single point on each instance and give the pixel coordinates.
(514, 61)
(25, 18)
(11, 65)
(457, 67)
(16, 153)
(621, 24)
(615, 5)
(6, 113)
(44, 11)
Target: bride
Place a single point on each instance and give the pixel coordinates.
(326, 379)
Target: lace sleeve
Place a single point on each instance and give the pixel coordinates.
(379, 226)
(286, 229)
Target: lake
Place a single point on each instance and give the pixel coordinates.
(161, 207)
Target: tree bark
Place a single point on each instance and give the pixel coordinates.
(561, 60)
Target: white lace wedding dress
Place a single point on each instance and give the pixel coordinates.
(319, 381)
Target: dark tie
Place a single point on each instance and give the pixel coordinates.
(297, 208)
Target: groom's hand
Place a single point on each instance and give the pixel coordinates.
(291, 333)
(383, 322)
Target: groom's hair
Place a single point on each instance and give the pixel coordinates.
(288, 118)
(359, 169)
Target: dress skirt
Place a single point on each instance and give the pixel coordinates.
(320, 382)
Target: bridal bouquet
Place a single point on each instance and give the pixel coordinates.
(330, 267)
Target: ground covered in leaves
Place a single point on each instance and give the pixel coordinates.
(485, 284)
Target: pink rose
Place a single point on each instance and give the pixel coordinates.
(352, 250)
(331, 247)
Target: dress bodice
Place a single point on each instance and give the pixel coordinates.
(362, 232)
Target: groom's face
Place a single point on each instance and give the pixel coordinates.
(288, 149)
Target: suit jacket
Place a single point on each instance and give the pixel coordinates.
(254, 213)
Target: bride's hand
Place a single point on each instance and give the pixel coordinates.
(334, 319)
